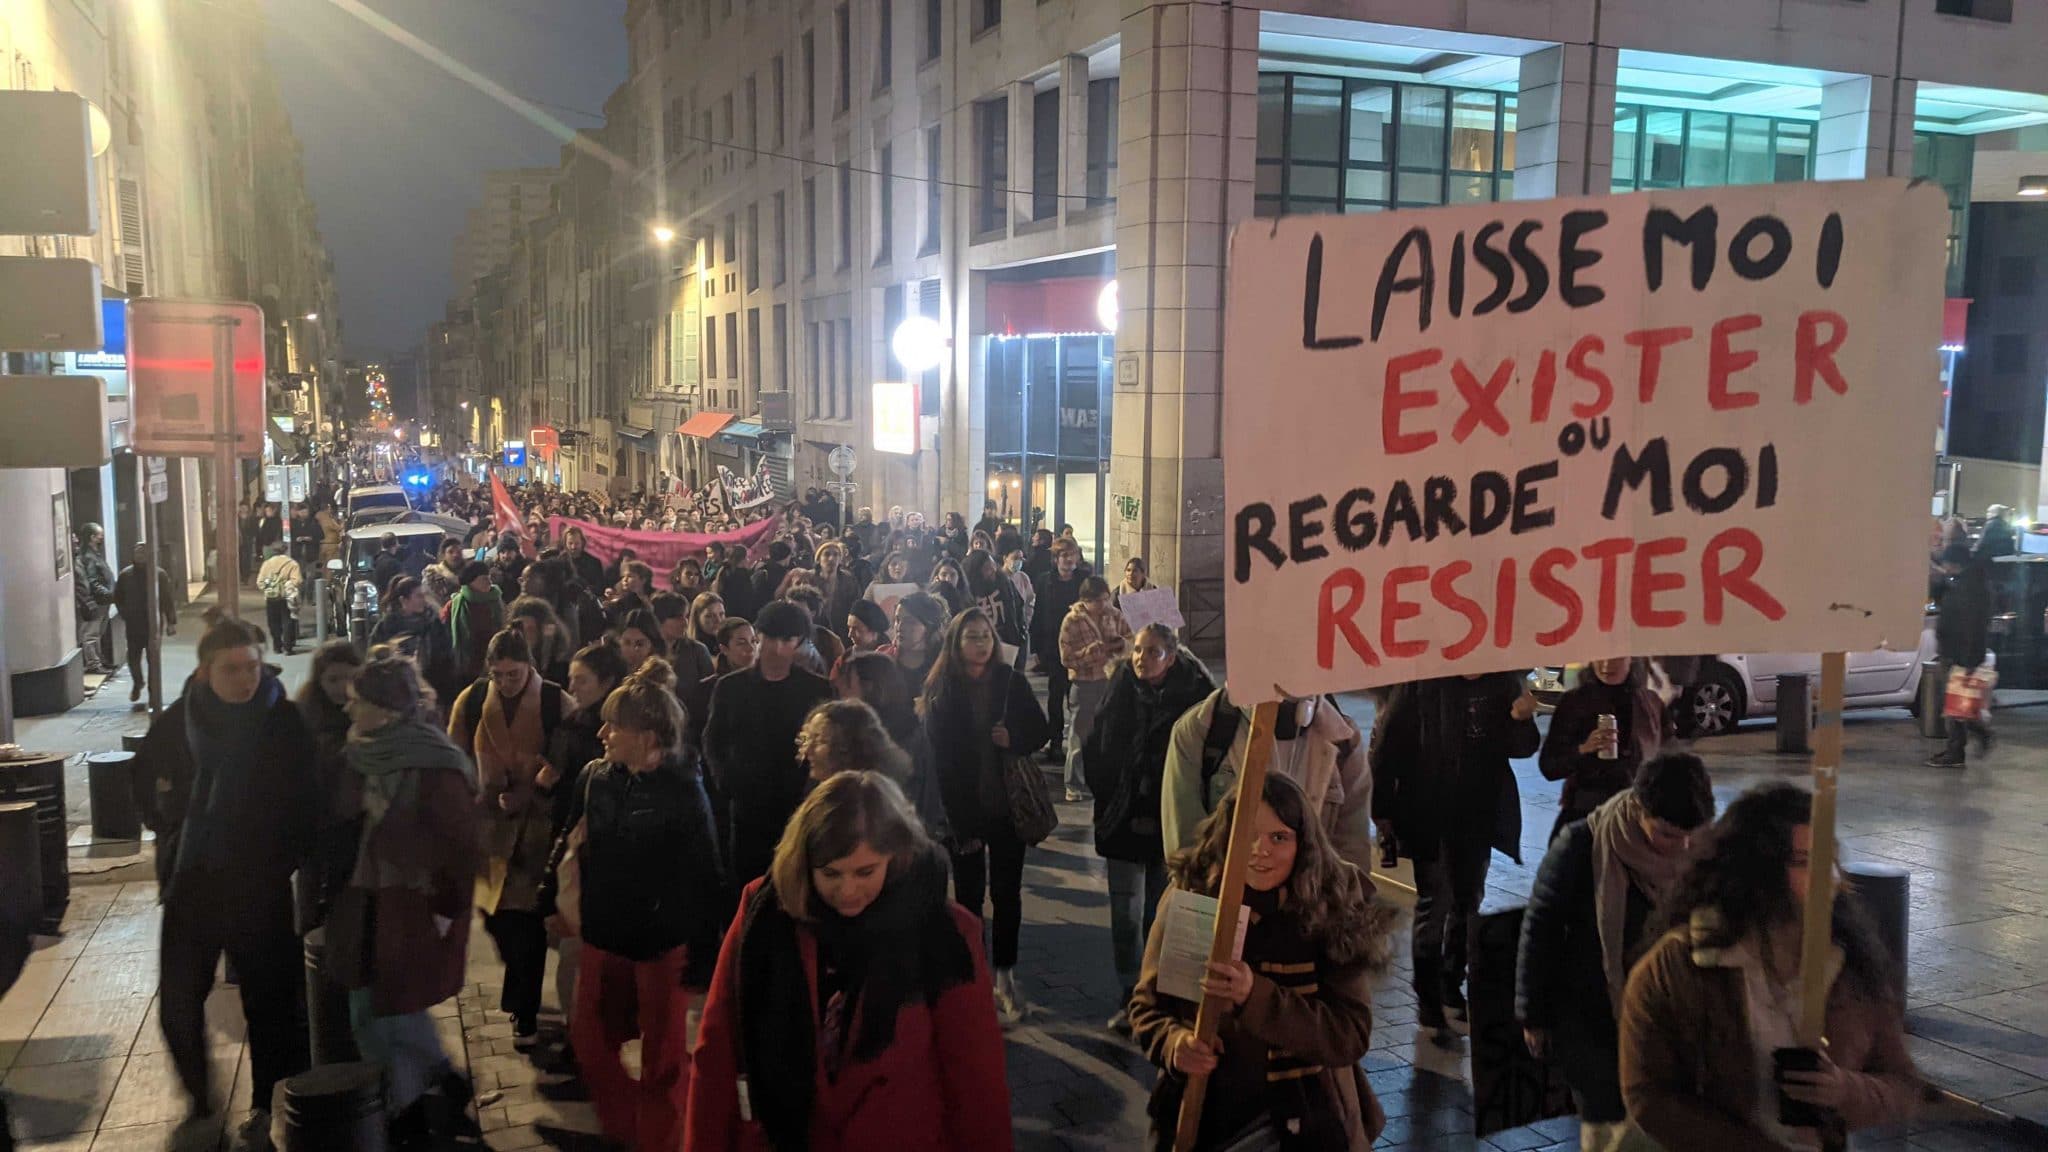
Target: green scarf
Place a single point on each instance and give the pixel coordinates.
(458, 613)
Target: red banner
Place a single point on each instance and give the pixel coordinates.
(660, 550)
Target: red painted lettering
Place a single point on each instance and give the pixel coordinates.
(1393, 610)
(1543, 577)
(1543, 388)
(1333, 619)
(1395, 400)
(1814, 355)
(1652, 342)
(1482, 401)
(1718, 582)
(1609, 553)
(1443, 585)
(1645, 582)
(1724, 361)
(1504, 604)
(1603, 388)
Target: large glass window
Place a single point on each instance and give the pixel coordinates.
(1328, 144)
(1677, 148)
(1948, 160)
(1048, 432)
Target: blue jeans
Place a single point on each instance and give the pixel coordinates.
(1134, 892)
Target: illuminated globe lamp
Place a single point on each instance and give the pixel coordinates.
(919, 344)
(1107, 307)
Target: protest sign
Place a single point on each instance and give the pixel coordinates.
(889, 595)
(1154, 605)
(1488, 437)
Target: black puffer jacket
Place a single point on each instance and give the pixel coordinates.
(1125, 756)
(1440, 751)
(1963, 630)
(651, 876)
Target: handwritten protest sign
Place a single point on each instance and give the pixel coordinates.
(1494, 436)
(660, 550)
(1155, 605)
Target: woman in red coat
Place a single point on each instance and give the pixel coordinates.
(847, 957)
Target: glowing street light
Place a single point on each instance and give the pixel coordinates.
(1106, 307)
(919, 343)
(663, 234)
(312, 316)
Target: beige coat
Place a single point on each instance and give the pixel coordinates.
(1090, 643)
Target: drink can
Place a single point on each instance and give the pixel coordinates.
(1608, 724)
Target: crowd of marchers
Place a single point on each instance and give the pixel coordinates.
(776, 832)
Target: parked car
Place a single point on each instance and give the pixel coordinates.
(352, 595)
(1731, 688)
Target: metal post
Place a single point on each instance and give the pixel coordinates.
(153, 577)
(227, 474)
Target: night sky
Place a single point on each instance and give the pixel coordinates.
(396, 147)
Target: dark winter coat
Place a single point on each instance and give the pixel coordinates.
(425, 639)
(1433, 781)
(269, 830)
(1125, 756)
(131, 598)
(1560, 976)
(750, 742)
(1055, 596)
(1962, 631)
(970, 765)
(1590, 781)
(651, 877)
(92, 585)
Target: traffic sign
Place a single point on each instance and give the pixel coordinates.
(178, 353)
(286, 483)
(515, 454)
(159, 481)
(840, 460)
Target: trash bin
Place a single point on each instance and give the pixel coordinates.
(21, 864)
(334, 1108)
(333, 1039)
(110, 784)
(1886, 891)
(1795, 714)
(1933, 694)
(39, 779)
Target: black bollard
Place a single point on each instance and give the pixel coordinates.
(1886, 891)
(1929, 700)
(21, 864)
(110, 784)
(327, 1018)
(334, 1108)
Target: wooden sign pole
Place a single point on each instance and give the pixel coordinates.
(1251, 784)
(1816, 944)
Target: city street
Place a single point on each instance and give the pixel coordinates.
(84, 1069)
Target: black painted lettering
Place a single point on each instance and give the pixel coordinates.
(1400, 509)
(1573, 259)
(1312, 303)
(1255, 534)
(1457, 284)
(1496, 263)
(1440, 507)
(1740, 249)
(1392, 281)
(1533, 271)
(1767, 476)
(1302, 530)
(1490, 498)
(1734, 480)
(1695, 231)
(1355, 524)
(1827, 260)
(1528, 515)
(1630, 470)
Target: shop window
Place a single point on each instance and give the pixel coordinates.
(1706, 150)
(1330, 145)
(1749, 150)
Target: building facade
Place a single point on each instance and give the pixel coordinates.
(1053, 184)
(202, 194)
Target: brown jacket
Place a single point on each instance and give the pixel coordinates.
(1088, 642)
(1332, 1027)
(1688, 1067)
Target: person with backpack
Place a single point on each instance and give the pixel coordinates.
(1314, 744)
(506, 721)
(411, 628)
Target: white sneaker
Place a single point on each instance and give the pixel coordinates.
(253, 1133)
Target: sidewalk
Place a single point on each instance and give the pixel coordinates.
(81, 1059)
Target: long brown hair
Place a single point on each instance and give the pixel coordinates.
(841, 814)
(1328, 896)
(950, 669)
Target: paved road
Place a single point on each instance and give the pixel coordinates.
(81, 1053)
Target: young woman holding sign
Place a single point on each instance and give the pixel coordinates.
(1283, 1070)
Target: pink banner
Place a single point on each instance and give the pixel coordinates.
(660, 550)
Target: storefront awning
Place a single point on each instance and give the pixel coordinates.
(705, 425)
(637, 435)
(745, 429)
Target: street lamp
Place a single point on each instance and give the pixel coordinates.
(1106, 307)
(465, 405)
(663, 234)
(311, 316)
(919, 343)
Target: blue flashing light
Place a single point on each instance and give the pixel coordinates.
(421, 479)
